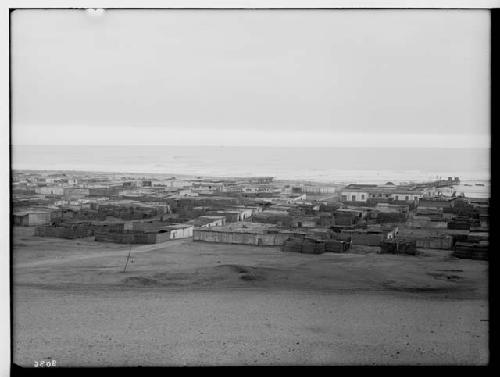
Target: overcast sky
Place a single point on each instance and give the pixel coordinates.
(251, 77)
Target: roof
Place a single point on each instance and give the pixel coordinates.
(211, 217)
(348, 210)
(228, 211)
(408, 192)
(20, 213)
(391, 205)
(271, 212)
(108, 221)
(434, 200)
(360, 186)
(203, 220)
(242, 227)
(169, 227)
(24, 213)
(177, 226)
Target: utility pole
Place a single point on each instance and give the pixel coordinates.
(128, 258)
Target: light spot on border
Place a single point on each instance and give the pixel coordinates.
(95, 12)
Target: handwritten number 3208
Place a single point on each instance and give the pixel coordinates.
(43, 363)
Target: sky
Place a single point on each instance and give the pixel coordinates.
(354, 78)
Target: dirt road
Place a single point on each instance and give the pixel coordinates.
(72, 258)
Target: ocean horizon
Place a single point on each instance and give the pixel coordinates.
(291, 163)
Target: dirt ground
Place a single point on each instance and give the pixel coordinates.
(194, 303)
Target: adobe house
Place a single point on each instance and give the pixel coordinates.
(31, 218)
(207, 221)
(257, 234)
(148, 235)
(273, 217)
(398, 246)
(347, 216)
(70, 230)
(367, 237)
(435, 203)
(356, 192)
(407, 196)
(354, 195)
(305, 221)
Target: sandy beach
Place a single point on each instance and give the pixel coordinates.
(189, 303)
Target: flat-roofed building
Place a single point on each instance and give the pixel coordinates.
(31, 218)
(354, 195)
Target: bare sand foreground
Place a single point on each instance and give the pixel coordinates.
(189, 303)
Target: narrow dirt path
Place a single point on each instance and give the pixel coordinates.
(124, 251)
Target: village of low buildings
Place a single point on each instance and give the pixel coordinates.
(299, 217)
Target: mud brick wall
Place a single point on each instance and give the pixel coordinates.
(127, 238)
(459, 225)
(402, 247)
(122, 238)
(390, 217)
(367, 239)
(335, 246)
(305, 246)
(425, 223)
(292, 245)
(271, 239)
(64, 232)
(326, 221)
(87, 215)
(129, 213)
(147, 238)
(277, 219)
(113, 227)
(445, 243)
(467, 250)
(312, 247)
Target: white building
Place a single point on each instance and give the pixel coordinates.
(211, 221)
(180, 231)
(187, 192)
(176, 183)
(407, 196)
(318, 189)
(353, 196)
(296, 199)
(54, 190)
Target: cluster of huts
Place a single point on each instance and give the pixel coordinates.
(253, 211)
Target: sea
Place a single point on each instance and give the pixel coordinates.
(327, 165)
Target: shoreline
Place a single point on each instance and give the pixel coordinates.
(276, 179)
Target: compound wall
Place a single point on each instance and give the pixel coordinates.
(64, 232)
(268, 239)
